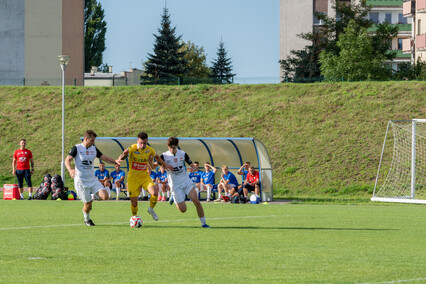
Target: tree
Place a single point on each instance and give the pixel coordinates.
(221, 70)
(304, 64)
(195, 60)
(94, 34)
(168, 59)
(357, 59)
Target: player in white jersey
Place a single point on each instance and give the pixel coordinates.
(85, 182)
(179, 181)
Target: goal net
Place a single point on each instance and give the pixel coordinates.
(403, 178)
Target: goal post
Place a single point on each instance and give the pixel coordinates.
(404, 178)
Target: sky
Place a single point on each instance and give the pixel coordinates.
(248, 28)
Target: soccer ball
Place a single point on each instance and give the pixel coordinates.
(254, 199)
(136, 222)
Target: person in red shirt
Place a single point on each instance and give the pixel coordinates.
(22, 158)
(252, 182)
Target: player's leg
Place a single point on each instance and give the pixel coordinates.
(86, 197)
(133, 189)
(153, 190)
(20, 176)
(29, 184)
(200, 211)
(219, 191)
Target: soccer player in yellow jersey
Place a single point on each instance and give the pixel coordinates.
(141, 156)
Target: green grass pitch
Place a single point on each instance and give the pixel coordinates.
(46, 242)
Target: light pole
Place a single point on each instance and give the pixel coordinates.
(63, 62)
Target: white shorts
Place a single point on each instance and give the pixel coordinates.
(85, 188)
(180, 191)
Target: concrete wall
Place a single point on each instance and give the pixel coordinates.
(12, 51)
(43, 41)
(296, 16)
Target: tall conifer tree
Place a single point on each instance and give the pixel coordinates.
(167, 62)
(221, 71)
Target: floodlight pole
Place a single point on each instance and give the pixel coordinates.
(63, 62)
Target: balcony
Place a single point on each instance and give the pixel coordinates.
(409, 8)
(406, 45)
(421, 42)
(421, 6)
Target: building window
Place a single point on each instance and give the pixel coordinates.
(400, 44)
(388, 18)
(401, 19)
(374, 17)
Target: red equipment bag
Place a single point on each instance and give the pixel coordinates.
(11, 191)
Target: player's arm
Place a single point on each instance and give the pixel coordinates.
(71, 155)
(213, 168)
(240, 171)
(164, 164)
(124, 155)
(13, 166)
(32, 165)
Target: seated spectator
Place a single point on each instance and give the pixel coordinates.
(118, 179)
(195, 175)
(243, 171)
(228, 183)
(207, 179)
(163, 185)
(103, 175)
(252, 183)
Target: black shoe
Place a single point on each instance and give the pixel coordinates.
(89, 223)
(171, 200)
(29, 198)
(145, 198)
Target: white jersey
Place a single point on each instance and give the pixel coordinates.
(179, 175)
(84, 158)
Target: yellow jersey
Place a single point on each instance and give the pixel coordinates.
(138, 161)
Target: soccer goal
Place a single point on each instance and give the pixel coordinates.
(404, 178)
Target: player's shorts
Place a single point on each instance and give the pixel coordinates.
(232, 185)
(114, 186)
(181, 191)
(85, 188)
(21, 174)
(135, 185)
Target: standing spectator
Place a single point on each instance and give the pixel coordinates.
(103, 175)
(22, 158)
(207, 179)
(163, 185)
(179, 181)
(228, 183)
(85, 182)
(117, 177)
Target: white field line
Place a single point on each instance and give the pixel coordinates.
(397, 281)
(117, 223)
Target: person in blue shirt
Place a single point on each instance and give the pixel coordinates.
(243, 171)
(103, 175)
(195, 175)
(163, 185)
(228, 182)
(117, 177)
(208, 179)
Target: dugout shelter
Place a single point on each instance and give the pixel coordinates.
(233, 152)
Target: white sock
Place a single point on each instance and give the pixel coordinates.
(117, 190)
(208, 192)
(168, 194)
(30, 194)
(22, 195)
(86, 216)
(203, 220)
(143, 192)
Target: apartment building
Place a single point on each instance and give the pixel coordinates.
(391, 11)
(297, 16)
(33, 33)
(415, 11)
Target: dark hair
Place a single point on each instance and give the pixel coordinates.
(23, 140)
(196, 163)
(142, 135)
(101, 163)
(90, 134)
(173, 141)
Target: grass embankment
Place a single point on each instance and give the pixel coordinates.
(324, 140)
